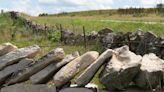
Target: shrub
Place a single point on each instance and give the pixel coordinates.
(55, 36)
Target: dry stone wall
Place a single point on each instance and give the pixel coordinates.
(123, 70)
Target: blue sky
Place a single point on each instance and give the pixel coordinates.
(35, 7)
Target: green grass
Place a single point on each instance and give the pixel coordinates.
(24, 37)
(91, 24)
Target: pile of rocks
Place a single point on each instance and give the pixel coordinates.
(35, 27)
(139, 42)
(122, 69)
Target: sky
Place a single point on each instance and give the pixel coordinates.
(35, 7)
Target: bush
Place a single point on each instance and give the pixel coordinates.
(54, 36)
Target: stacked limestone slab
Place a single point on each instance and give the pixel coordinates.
(13, 60)
(48, 72)
(6, 48)
(16, 55)
(17, 68)
(69, 71)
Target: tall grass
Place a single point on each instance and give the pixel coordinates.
(23, 37)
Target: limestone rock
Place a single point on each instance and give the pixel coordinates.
(112, 40)
(140, 40)
(105, 31)
(121, 69)
(15, 56)
(150, 74)
(93, 36)
(53, 56)
(44, 75)
(6, 48)
(71, 69)
(89, 73)
(7, 72)
(28, 88)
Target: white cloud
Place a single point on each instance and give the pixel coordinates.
(35, 7)
(18, 5)
(75, 2)
(148, 3)
(76, 5)
(24, 6)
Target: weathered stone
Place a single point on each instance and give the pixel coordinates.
(7, 72)
(44, 75)
(71, 69)
(53, 56)
(93, 36)
(149, 40)
(135, 38)
(150, 74)
(121, 69)
(149, 36)
(162, 40)
(77, 90)
(112, 40)
(108, 40)
(105, 31)
(28, 88)
(15, 56)
(141, 42)
(68, 37)
(89, 73)
(6, 48)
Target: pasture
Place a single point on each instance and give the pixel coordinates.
(94, 23)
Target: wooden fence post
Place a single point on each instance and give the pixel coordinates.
(45, 30)
(61, 31)
(84, 35)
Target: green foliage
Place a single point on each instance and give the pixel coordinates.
(43, 14)
(55, 36)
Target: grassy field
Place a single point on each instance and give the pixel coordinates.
(95, 24)
(24, 37)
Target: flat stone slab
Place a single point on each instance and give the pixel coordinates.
(47, 73)
(7, 72)
(89, 73)
(6, 48)
(55, 55)
(16, 55)
(68, 72)
(77, 90)
(28, 88)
